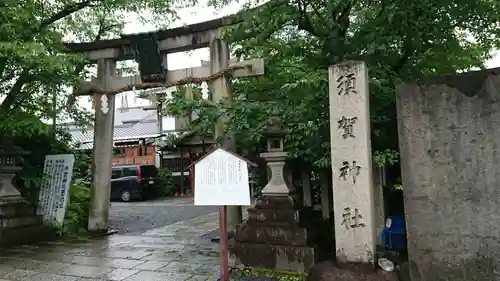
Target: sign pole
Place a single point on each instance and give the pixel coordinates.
(224, 258)
(221, 179)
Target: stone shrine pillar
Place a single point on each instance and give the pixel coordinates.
(17, 215)
(353, 199)
(274, 235)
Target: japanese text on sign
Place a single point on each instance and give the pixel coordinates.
(54, 190)
(347, 169)
(347, 125)
(221, 178)
(346, 82)
(352, 218)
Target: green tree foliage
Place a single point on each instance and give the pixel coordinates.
(34, 63)
(300, 39)
(77, 211)
(35, 66)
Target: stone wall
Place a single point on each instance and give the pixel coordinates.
(449, 133)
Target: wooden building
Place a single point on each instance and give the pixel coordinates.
(136, 130)
(182, 152)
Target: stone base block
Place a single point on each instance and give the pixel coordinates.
(277, 202)
(25, 235)
(16, 206)
(19, 224)
(271, 234)
(328, 271)
(274, 216)
(293, 258)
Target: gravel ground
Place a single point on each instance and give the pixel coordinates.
(137, 217)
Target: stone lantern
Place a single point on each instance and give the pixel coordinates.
(275, 158)
(17, 215)
(10, 164)
(273, 236)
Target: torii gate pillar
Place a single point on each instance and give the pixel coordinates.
(103, 149)
(221, 90)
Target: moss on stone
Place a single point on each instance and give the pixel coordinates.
(276, 274)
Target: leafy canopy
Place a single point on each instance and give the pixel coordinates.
(299, 40)
(34, 65)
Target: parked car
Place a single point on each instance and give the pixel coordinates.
(132, 182)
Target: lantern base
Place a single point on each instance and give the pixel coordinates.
(19, 222)
(275, 236)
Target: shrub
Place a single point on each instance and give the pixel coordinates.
(77, 210)
(167, 187)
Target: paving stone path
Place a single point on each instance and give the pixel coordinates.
(137, 217)
(177, 252)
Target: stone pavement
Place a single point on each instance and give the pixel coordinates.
(137, 217)
(174, 253)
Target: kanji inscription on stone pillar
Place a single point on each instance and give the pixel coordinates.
(352, 162)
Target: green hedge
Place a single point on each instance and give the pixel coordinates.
(77, 210)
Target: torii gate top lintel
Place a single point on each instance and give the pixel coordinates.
(172, 40)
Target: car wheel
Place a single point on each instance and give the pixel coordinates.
(126, 196)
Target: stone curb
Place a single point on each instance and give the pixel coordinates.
(108, 233)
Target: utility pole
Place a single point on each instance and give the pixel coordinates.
(159, 124)
(159, 107)
(54, 115)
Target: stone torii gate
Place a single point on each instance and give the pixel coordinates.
(150, 50)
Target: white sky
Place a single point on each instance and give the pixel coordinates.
(192, 58)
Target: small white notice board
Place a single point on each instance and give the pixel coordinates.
(54, 190)
(221, 179)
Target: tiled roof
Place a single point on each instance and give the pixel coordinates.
(128, 126)
(134, 114)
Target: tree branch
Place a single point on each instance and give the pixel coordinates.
(100, 33)
(12, 100)
(407, 48)
(344, 20)
(24, 77)
(11, 97)
(405, 57)
(316, 11)
(336, 42)
(66, 11)
(304, 22)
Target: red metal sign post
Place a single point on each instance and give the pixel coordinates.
(224, 252)
(230, 188)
